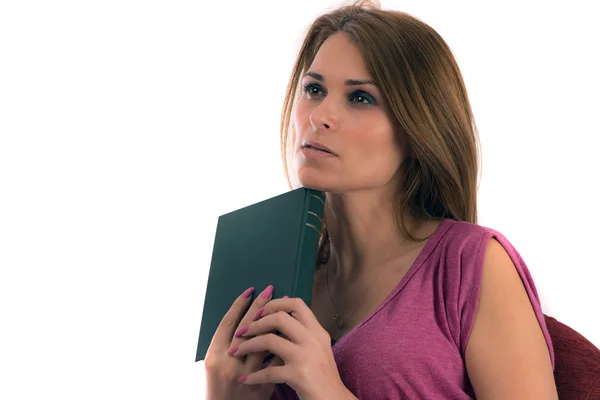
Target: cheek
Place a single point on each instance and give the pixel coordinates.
(380, 150)
(376, 136)
(301, 115)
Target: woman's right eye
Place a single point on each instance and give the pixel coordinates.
(312, 89)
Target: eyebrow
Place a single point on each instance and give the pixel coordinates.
(347, 82)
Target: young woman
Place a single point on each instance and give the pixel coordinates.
(412, 299)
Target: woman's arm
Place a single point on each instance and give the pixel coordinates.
(507, 356)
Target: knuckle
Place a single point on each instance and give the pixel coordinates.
(229, 321)
(210, 363)
(279, 318)
(216, 366)
(269, 339)
(298, 302)
(221, 371)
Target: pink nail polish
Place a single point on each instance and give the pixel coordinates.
(242, 378)
(233, 350)
(241, 331)
(285, 297)
(267, 292)
(258, 313)
(248, 292)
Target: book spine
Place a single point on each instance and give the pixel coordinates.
(314, 207)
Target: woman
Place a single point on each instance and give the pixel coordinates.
(412, 298)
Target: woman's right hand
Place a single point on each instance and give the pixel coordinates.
(222, 369)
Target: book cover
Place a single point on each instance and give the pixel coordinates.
(273, 242)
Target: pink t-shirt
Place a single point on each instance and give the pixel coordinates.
(412, 346)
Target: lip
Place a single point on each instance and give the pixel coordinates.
(307, 144)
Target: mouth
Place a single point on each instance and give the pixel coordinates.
(317, 146)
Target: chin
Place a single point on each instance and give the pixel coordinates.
(317, 180)
(314, 175)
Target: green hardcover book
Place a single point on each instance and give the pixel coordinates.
(273, 242)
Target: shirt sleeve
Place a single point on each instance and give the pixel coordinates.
(470, 285)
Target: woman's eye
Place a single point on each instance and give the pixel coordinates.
(362, 98)
(312, 89)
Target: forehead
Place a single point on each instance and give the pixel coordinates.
(339, 59)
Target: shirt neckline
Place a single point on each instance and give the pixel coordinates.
(425, 252)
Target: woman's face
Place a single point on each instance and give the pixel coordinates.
(341, 112)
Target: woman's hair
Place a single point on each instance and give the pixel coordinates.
(427, 101)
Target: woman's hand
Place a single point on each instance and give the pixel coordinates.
(309, 366)
(222, 369)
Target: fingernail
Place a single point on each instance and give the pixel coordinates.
(258, 313)
(285, 297)
(247, 293)
(267, 292)
(241, 331)
(233, 350)
(242, 378)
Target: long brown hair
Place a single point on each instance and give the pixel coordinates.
(420, 80)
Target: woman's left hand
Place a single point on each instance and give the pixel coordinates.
(309, 366)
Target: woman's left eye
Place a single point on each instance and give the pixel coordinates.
(362, 98)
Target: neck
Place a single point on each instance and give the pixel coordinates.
(363, 233)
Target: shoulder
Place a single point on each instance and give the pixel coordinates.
(472, 249)
(475, 258)
(473, 241)
(495, 282)
(508, 343)
(480, 246)
(464, 243)
(461, 231)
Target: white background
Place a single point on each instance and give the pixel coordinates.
(127, 127)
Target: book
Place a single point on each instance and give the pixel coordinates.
(273, 242)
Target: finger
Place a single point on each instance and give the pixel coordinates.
(260, 301)
(278, 374)
(269, 342)
(271, 359)
(296, 307)
(253, 361)
(281, 322)
(232, 318)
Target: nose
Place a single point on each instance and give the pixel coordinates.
(325, 116)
